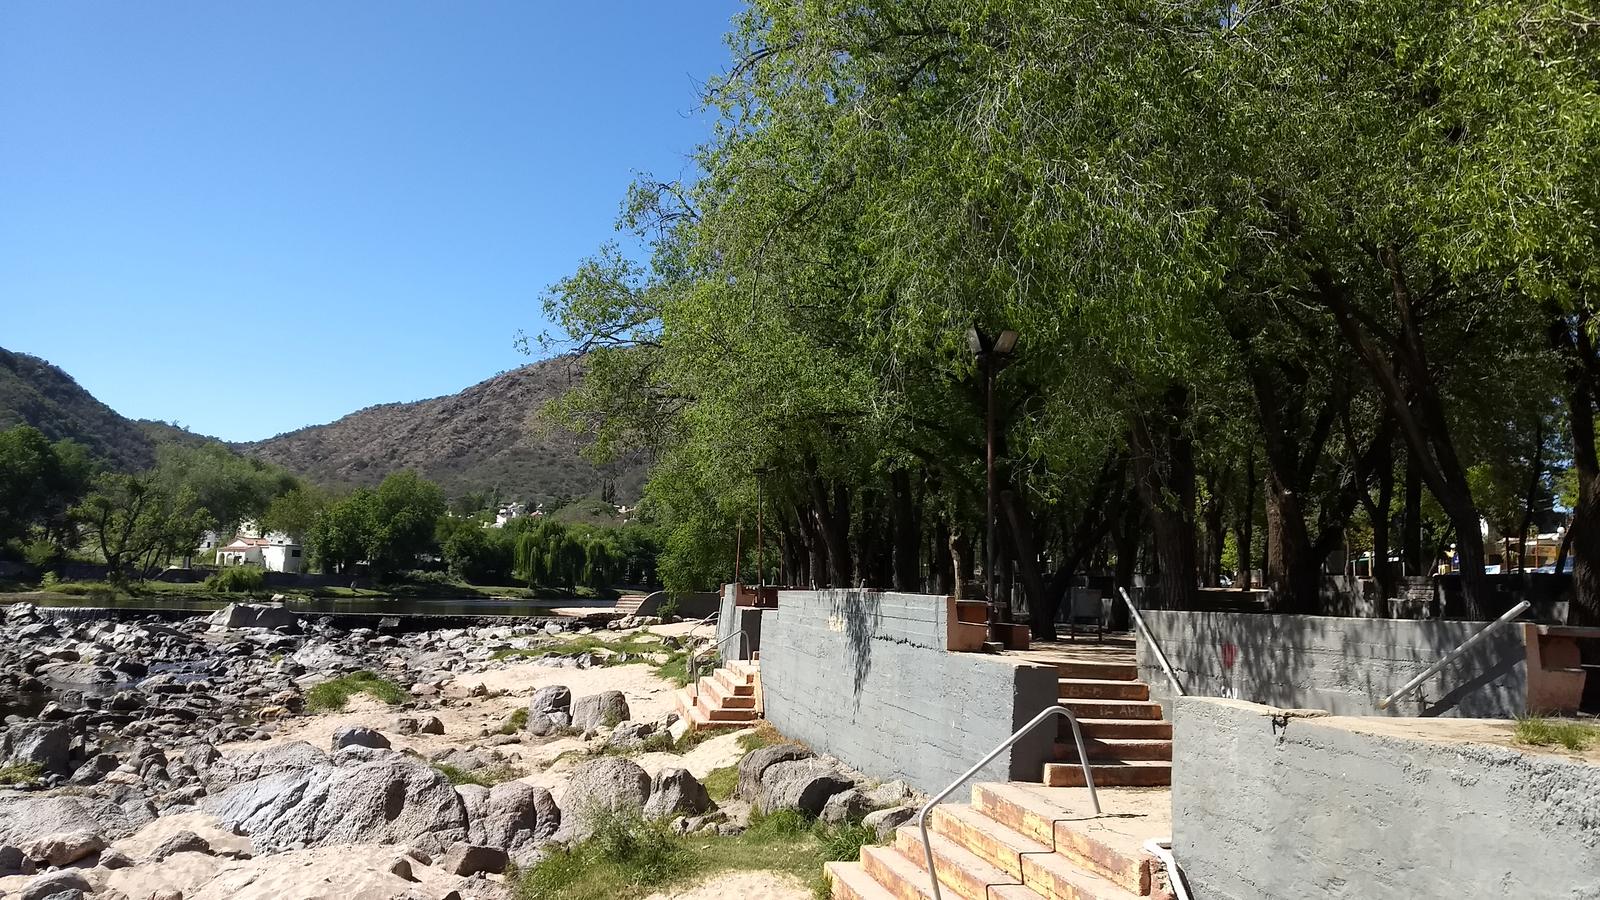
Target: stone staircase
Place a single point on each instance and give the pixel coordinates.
(1019, 842)
(730, 697)
(1128, 741)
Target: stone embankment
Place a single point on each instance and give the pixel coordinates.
(151, 760)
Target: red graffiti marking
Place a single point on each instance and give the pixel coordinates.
(1229, 654)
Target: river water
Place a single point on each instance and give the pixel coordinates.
(394, 606)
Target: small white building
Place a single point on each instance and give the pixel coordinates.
(276, 553)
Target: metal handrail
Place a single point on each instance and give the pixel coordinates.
(1151, 640)
(927, 808)
(694, 658)
(1465, 645)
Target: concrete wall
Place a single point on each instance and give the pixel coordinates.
(1304, 808)
(730, 618)
(691, 604)
(1343, 666)
(864, 676)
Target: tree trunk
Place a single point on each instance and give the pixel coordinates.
(1379, 514)
(1164, 470)
(1584, 532)
(1019, 527)
(907, 535)
(1247, 523)
(1411, 524)
(1294, 572)
(833, 522)
(960, 563)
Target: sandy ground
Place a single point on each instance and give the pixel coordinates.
(742, 886)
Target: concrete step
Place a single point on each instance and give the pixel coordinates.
(1103, 671)
(1098, 689)
(1000, 845)
(1073, 838)
(1060, 878)
(1130, 773)
(1119, 729)
(721, 696)
(972, 611)
(1112, 749)
(736, 684)
(906, 879)
(960, 870)
(851, 881)
(1112, 709)
(699, 717)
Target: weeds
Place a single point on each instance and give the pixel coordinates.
(21, 774)
(721, 783)
(331, 696)
(1538, 732)
(518, 721)
(483, 777)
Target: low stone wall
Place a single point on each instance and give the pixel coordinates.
(1268, 806)
(864, 676)
(1344, 666)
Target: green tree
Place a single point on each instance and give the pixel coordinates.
(137, 524)
(40, 482)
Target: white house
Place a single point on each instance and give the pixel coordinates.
(276, 553)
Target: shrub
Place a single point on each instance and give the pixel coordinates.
(1574, 736)
(331, 696)
(238, 580)
(517, 721)
(20, 774)
(667, 608)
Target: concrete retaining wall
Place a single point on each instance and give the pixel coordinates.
(730, 618)
(864, 676)
(1265, 808)
(1341, 665)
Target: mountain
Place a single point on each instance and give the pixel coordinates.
(34, 392)
(485, 438)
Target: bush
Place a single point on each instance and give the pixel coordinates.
(21, 774)
(667, 608)
(480, 777)
(238, 580)
(331, 696)
(517, 722)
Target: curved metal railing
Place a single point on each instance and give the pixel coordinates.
(927, 808)
(694, 658)
(1151, 640)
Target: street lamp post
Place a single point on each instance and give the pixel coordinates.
(761, 569)
(992, 355)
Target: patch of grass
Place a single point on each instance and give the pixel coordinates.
(1539, 732)
(720, 783)
(518, 721)
(21, 774)
(628, 859)
(332, 695)
(605, 650)
(483, 777)
(764, 735)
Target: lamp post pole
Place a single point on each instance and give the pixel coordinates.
(761, 568)
(992, 355)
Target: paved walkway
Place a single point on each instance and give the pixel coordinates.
(1114, 648)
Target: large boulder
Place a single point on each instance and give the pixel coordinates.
(596, 711)
(602, 787)
(845, 806)
(676, 792)
(65, 847)
(114, 811)
(550, 710)
(392, 799)
(46, 743)
(803, 784)
(359, 736)
(237, 768)
(517, 818)
(256, 615)
(756, 762)
(66, 881)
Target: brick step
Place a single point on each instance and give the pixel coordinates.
(699, 717)
(972, 611)
(719, 695)
(736, 684)
(1102, 671)
(905, 878)
(1037, 818)
(1132, 773)
(960, 870)
(1112, 749)
(1022, 858)
(749, 669)
(1112, 709)
(851, 881)
(1118, 729)
(1098, 689)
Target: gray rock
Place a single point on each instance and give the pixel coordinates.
(55, 883)
(112, 810)
(419, 725)
(676, 792)
(845, 806)
(400, 867)
(474, 802)
(756, 762)
(359, 736)
(605, 709)
(552, 699)
(470, 859)
(803, 784)
(237, 768)
(885, 821)
(890, 793)
(75, 894)
(256, 615)
(603, 786)
(630, 735)
(182, 842)
(45, 743)
(94, 770)
(391, 800)
(517, 818)
(14, 862)
(115, 859)
(65, 847)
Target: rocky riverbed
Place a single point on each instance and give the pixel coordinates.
(180, 760)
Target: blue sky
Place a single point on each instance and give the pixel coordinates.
(250, 217)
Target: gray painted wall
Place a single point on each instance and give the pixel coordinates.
(691, 604)
(864, 676)
(730, 618)
(1305, 809)
(1340, 665)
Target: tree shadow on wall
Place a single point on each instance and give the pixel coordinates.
(860, 615)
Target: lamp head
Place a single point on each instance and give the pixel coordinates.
(1005, 343)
